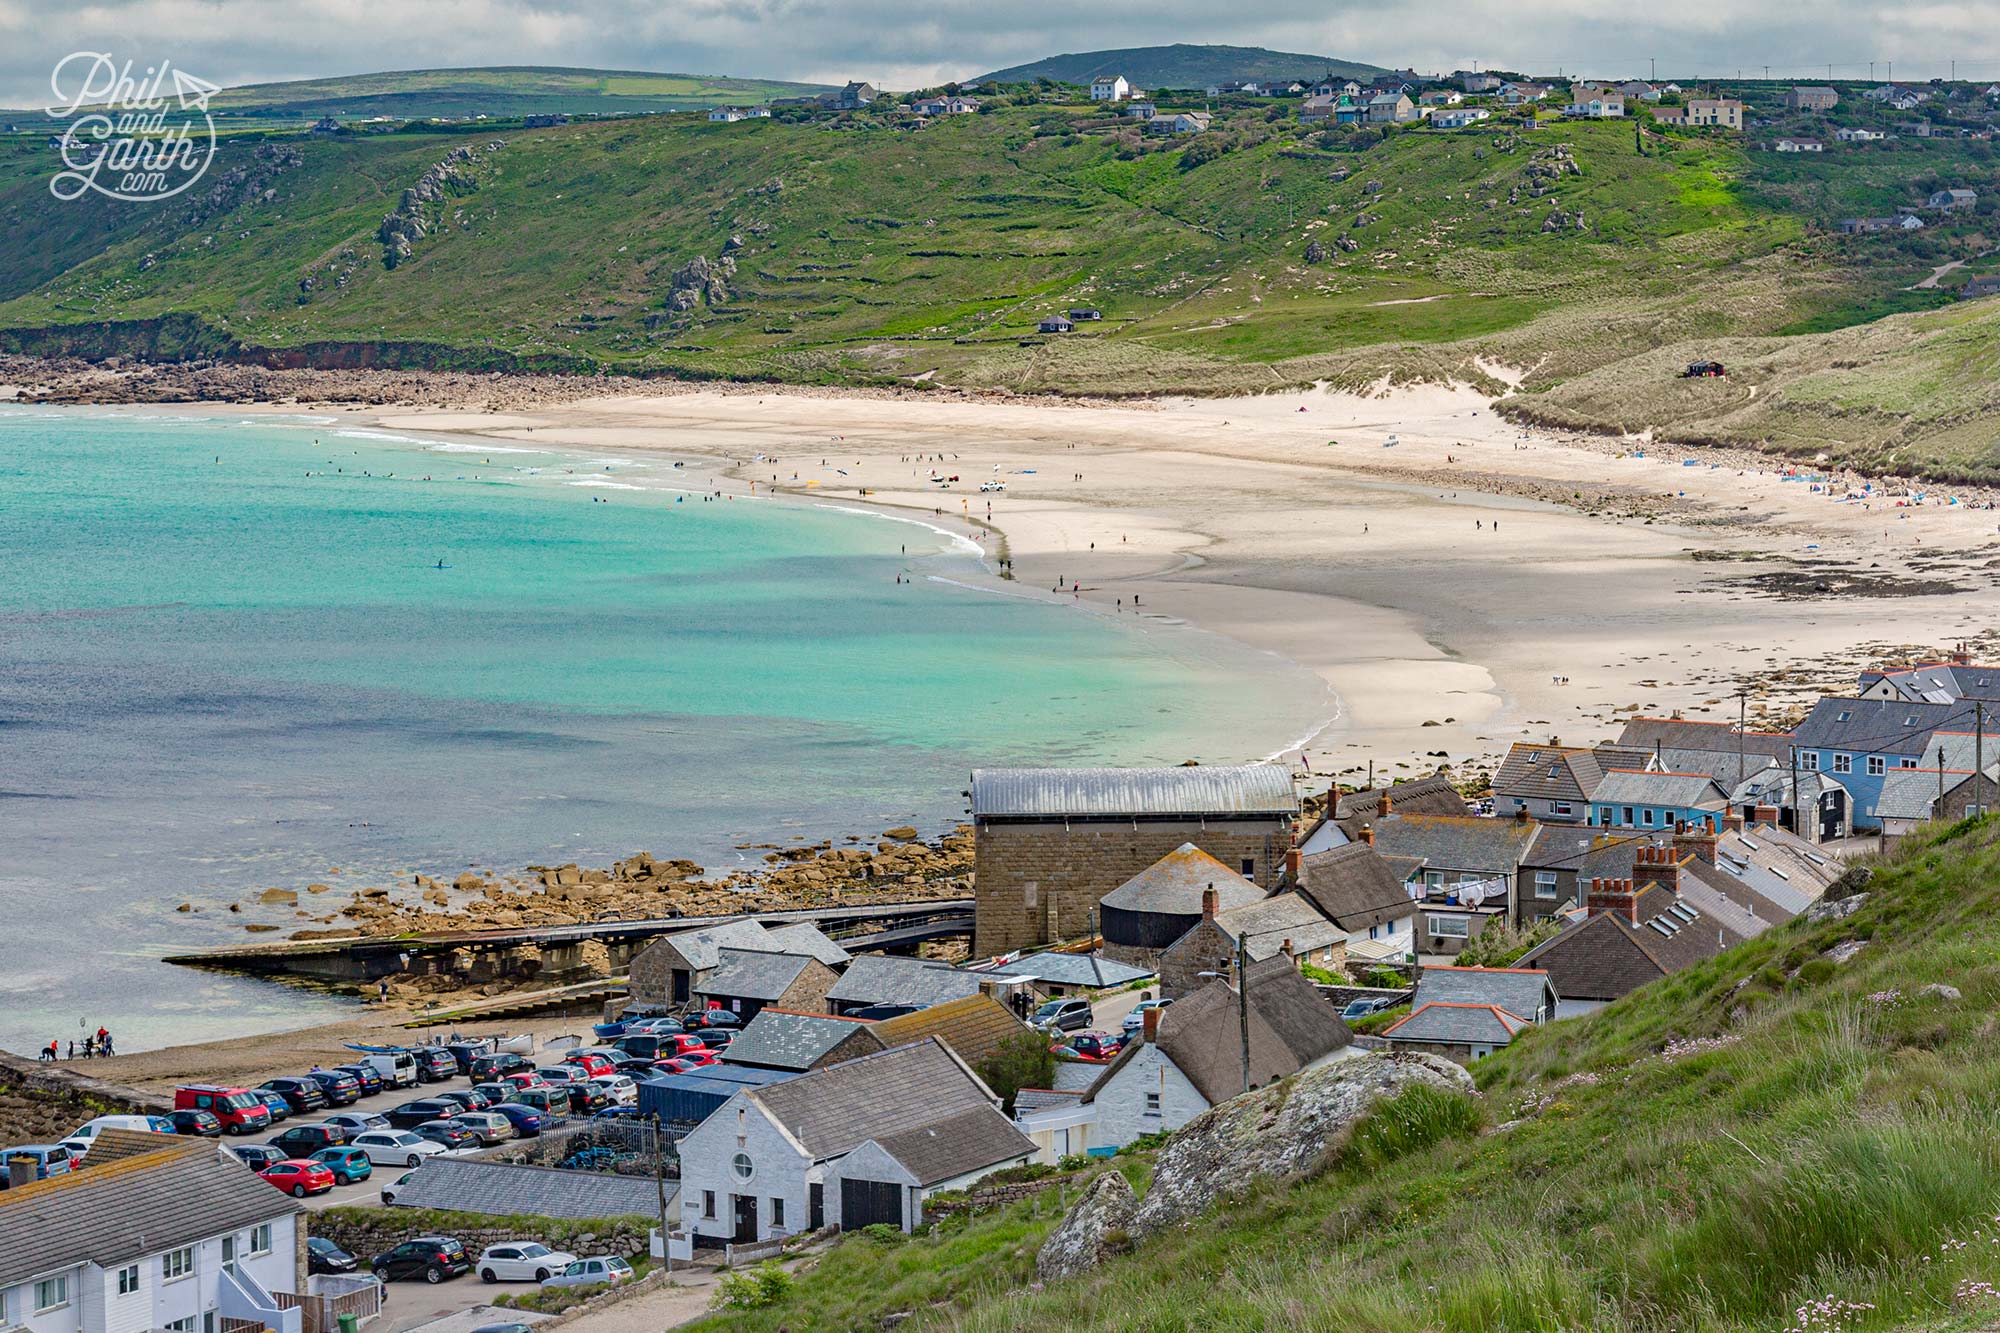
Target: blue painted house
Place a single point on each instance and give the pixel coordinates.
(1858, 741)
(1637, 799)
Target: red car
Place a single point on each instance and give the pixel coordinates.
(298, 1177)
(522, 1078)
(681, 1064)
(590, 1063)
(1091, 1047)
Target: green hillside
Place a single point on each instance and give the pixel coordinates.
(1770, 1137)
(499, 92)
(1182, 66)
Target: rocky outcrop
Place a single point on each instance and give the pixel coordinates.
(413, 218)
(701, 279)
(1279, 1132)
(1097, 1227)
(1835, 909)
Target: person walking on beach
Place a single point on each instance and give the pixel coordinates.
(104, 1042)
(89, 1047)
(72, 1048)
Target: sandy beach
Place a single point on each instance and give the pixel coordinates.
(1459, 582)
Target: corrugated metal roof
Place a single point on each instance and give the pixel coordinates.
(1071, 969)
(1235, 790)
(501, 1189)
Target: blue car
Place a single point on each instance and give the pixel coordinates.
(275, 1101)
(527, 1121)
(50, 1159)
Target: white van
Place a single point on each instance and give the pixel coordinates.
(80, 1139)
(397, 1068)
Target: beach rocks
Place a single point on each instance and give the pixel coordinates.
(281, 897)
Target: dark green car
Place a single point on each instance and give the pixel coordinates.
(347, 1164)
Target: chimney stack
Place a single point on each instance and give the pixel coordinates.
(1295, 863)
(1383, 805)
(1149, 1025)
(1209, 903)
(1653, 864)
(1612, 895)
(1368, 834)
(1732, 823)
(20, 1171)
(1520, 815)
(1286, 949)
(1764, 814)
(1696, 838)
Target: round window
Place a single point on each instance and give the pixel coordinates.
(742, 1166)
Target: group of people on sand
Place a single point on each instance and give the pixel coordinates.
(94, 1044)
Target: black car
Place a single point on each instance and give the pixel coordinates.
(636, 1066)
(433, 1258)
(489, 1067)
(365, 1075)
(463, 1053)
(703, 1020)
(305, 1140)
(201, 1123)
(411, 1114)
(434, 1064)
(446, 1133)
(504, 1328)
(257, 1156)
(301, 1094)
(527, 1120)
(469, 1099)
(323, 1256)
(717, 1039)
(340, 1089)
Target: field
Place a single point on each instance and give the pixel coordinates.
(1769, 1133)
(861, 249)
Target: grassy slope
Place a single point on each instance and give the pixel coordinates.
(1836, 1138)
(1181, 65)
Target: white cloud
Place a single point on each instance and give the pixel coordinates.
(908, 42)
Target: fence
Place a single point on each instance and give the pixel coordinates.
(321, 1310)
(623, 1147)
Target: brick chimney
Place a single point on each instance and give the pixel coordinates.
(1149, 1025)
(1368, 834)
(1295, 862)
(1764, 814)
(1657, 865)
(1383, 805)
(1732, 823)
(1612, 895)
(1961, 656)
(1209, 903)
(1286, 949)
(1696, 838)
(21, 1171)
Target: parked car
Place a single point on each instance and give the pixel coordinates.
(590, 1062)
(347, 1164)
(201, 1124)
(521, 1261)
(446, 1133)
(529, 1077)
(411, 1114)
(257, 1156)
(990, 486)
(323, 1256)
(1366, 1005)
(432, 1258)
(463, 1053)
(1137, 1018)
(553, 1103)
(366, 1075)
(680, 1043)
(640, 1045)
(237, 1110)
(718, 1039)
(658, 1023)
(875, 1013)
(51, 1159)
(305, 1140)
(632, 1066)
(301, 1094)
(1071, 1015)
(487, 1127)
(389, 1190)
(620, 1088)
(495, 1093)
(356, 1122)
(469, 1099)
(679, 1064)
(275, 1103)
(434, 1064)
(340, 1089)
(299, 1177)
(617, 1113)
(526, 1120)
(1097, 1046)
(498, 1063)
(396, 1147)
(594, 1272)
(78, 1140)
(397, 1069)
(704, 1019)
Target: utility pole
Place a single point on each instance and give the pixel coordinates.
(1796, 802)
(1653, 69)
(1978, 757)
(660, 1184)
(1243, 999)
(1742, 703)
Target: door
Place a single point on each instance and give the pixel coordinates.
(815, 1206)
(866, 1202)
(746, 1218)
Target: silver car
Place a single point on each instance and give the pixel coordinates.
(488, 1126)
(603, 1270)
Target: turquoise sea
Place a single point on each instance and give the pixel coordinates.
(229, 661)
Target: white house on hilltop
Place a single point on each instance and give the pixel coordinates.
(1113, 88)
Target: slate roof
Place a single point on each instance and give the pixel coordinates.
(1291, 1025)
(1547, 772)
(1354, 886)
(1076, 1075)
(833, 1110)
(782, 1039)
(1173, 885)
(1243, 790)
(1912, 793)
(1774, 787)
(1722, 898)
(1610, 756)
(701, 947)
(1442, 842)
(1433, 795)
(1961, 750)
(883, 979)
(1265, 926)
(1518, 990)
(973, 1027)
(1674, 733)
(173, 1193)
(1718, 764)
(1605, 956)
(804, 937)
(754, 974)
(1879, 726)
(956, 1144)
(1782, 867)
(1457, 1024)
(1592, 853)
(1939, 682)
(501, 1189)
(1070, 969)
(1624, 787)
(1029, 1100)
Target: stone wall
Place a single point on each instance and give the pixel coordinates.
(1342, 996)
(367, 1232)
(1180, 966)
(1036, 883)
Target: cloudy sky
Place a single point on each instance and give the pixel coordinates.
(910, 43)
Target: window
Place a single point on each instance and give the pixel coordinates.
(1877, 765)
(1809, 761)
(742, 1166)
(1646, 818)
(51, 1294)
(1433, 879)
(176, 1264)
(1559, 807)
(1845, 716)
(180, 1325)
(1907, 762)
(1249, 867)
(1843, 763)
(1152, 1103)
(229, 1254)
(777, 1212)
(260, 1240)
(708, 1203)
(1545, 883)
(1450, 927)
(1629, 820)
(1374, 932)
(128, 1280)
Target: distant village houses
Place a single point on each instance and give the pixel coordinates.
(1113, 88)
(1812, 99)
(1798, 146)
(1715, 112)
